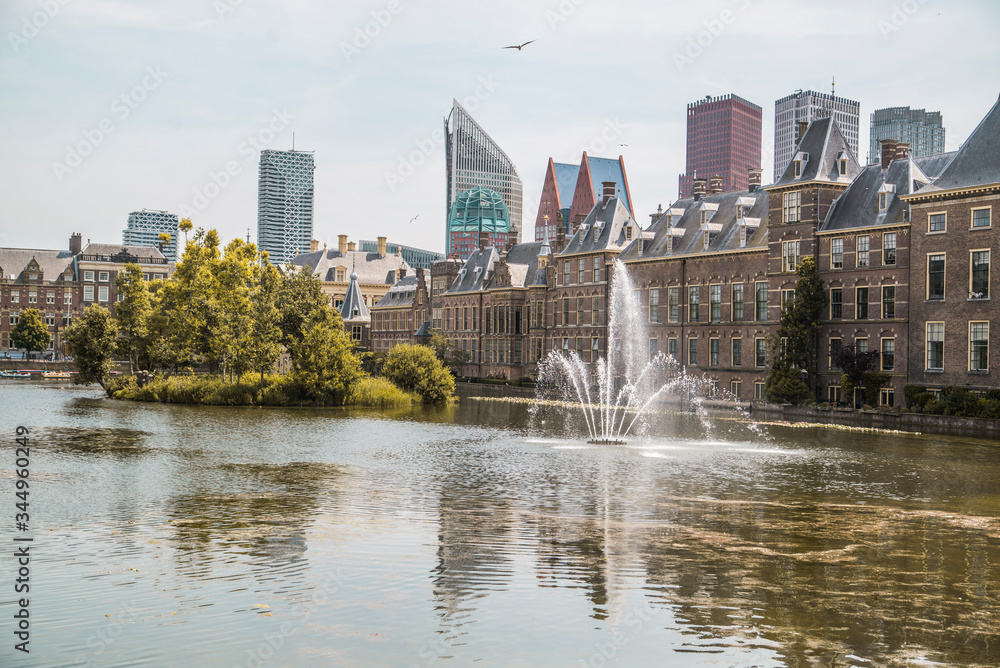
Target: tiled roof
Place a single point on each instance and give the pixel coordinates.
(858, 206)
(143, 252)
(354, 309)
(52, 262)
(825, 145)
(603, 229)
(522, 262)
(371, 268)
(469, 279)
(400, 294)
(977, 163)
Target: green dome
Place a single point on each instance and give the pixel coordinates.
(478, 209)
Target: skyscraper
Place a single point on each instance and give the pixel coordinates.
(808, 106)
(478, 219)
(285, 203)
(474, 159)
(723, 138)
(921, 129)
(144, 229)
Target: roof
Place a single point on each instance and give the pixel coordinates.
(566, 175)
(52, 263)
(825, 145)
(108, 250)
(977, 162)
(522, 263)
(354, 309)
(933, 165)
(858, 206)
(400, 294)
(371, 268)
(609, 169)
(479, 209)
(476, 271)
(603, 229)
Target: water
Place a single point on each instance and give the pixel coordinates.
(462, 536)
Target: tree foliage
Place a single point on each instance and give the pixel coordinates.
(30, 332)
(324, 365)
(854, 365)
(91, 341)
(132, 315)
(417, 369)
(797, 340)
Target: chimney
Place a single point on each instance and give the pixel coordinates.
(803, 126)
(560, 239)
(76, 243)
(698, 188)
(484, 239)
(609, 190)
(888, 152)
(314, 245)
(402, 272)
(753, 178)
(715, 184)
(902, 151)
(352, 246)
(381, 246)
(342, 244)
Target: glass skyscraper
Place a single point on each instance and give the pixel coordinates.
(285, 203)
(808, 105)
(144, 229)
(921, 129)
(474, 159)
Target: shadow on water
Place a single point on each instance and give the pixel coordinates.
(84, 442)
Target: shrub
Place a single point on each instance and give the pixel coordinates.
(872, 382)
(417, 369)
(910, 394)
(786, 386)
(379, 393)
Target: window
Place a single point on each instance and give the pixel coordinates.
(861, 303)
(790, 255)
(837, 253)
(737, 301)
(672, 348)
(595, 315)
(565, 311)
(654, 305)
(936, 222)
(979, 275)
(863, 250)
(889, 248)
(737, 352)
(15, 296)
(581, 271)
(693, 304)
(674, 304)
(787, 297)
(713, 352)
(50, 298)
(758, 390)
(836, 393)
(979, 346)
(734, 389)
(861, 345)
(653, 349)
(888, 302)
(102, 277)
(836, 345)
(760, 352)
(743, 236)
(791, 204)
(888, 354)
(628, 232)
(798, 168)
(886, 397)
(836, 303)
(693, 352)
(88, 276)
(566, 272)
(761, 301)
(935, 276)
(595, 348)
(883, 199)
(980, 217)
(715, 303)
(935, 346)
(597, 269)
(565, 347)
(843, 167)
(32, 297)
(579, 311)
(102, 293)
(88, 293)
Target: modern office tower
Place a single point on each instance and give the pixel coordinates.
(144, 229)
(807, 106)
(478, 219)
(569, 192)
(474, 159)
(285, 203)
(921, 129)
(723, 139)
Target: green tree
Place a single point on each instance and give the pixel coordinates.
(854, 365)
(236, 277)
(324, 365)
(417, 369)
(91, 341)
(132, 315)
(300, 297)
(263, 347)
(30, 332)
(450, 355)
(796, 343)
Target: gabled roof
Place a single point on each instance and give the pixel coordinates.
(471, 280)
(858, 206)
(977, 163)
(933, 165)
(52, 263)
(371, 268)
(108, 250)
(825, 145)
(603, 229)
(609, 169)
(354, 309)
(400, 294)
(565, 178)
(522, 263)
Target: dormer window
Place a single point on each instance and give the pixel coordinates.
(670, 243)
(883, 201)
(739, 212)
(798, 168)
(628, 232)
(743, 236)
(707, 238)
(843, 166)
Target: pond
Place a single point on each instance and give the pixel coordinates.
(491, 535)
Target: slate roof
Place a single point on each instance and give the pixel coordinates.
(470, 280)
(371, 268)
(53, 263)
(566, 176)
(141, 252)
(603, 229)
(857, 207)
(683, 221)
(401, 294)
(353, 309)
(933, 165)
(824, 143)
(977, 162)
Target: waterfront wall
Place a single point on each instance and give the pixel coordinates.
(917, 422)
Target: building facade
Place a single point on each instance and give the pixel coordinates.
(922, 130)
(807, 106)
(723, 138)
(144, 229)
(479, 216)
(285, 203)
(474, 159)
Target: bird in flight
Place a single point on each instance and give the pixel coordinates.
(519, 46)
(414, 218)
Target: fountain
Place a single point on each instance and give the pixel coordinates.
(615, 392)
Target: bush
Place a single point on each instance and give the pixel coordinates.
(417, 369)
(786, 386)
(910, 394)
(379, 393)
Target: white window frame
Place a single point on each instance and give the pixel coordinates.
(791, 207)
(931, 215)
(986, 355)
(834, 254)
(928, 341)
(989, 217)
(989, 267)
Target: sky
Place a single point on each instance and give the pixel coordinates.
(112, 106)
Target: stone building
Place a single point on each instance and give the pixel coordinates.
(377, 271)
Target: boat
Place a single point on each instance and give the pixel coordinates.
(56, 374)
(14, 374)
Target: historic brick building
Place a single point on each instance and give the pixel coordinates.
(401, 311)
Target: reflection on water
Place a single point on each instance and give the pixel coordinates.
(481, 534)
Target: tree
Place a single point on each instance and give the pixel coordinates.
(30, 332)
(324, 365)
(450, 355)
(417, 369)
(91, 341)
(797, 339)
(300, 297)
(854, 365)
(263, 346)
(132, 315)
